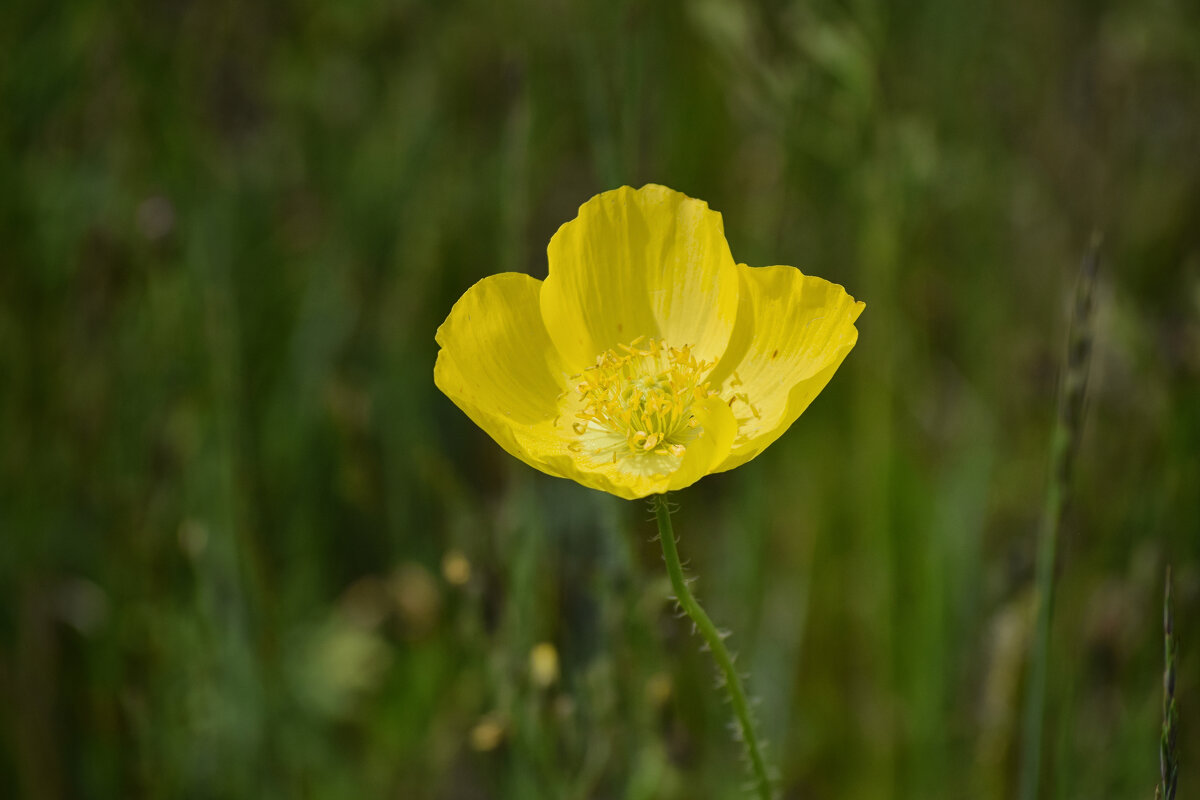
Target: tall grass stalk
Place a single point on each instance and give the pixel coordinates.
(1168, 758)
(716, 642)
(1064, 441)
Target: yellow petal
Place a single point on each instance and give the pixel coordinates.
(640, 475)
(651, 262)
(498, 365)
(792, 333)
(705, 454)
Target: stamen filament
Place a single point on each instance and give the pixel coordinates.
(643, 393)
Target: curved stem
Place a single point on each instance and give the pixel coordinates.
(716, 643)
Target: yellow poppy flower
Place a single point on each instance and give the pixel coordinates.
(648, 358)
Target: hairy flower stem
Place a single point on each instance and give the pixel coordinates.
(716, 643)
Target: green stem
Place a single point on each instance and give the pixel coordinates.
(1035, 689)
(1063, 443)
(1168, 759)
(716, 643)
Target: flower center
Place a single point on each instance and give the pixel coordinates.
(639, 399)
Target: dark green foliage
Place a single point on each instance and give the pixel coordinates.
(228, 485)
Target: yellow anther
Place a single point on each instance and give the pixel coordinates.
(638, 399)
(632, 347)
(744, 398)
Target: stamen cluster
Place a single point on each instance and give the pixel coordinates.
(643, 396)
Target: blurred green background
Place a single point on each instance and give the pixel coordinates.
(249, 551)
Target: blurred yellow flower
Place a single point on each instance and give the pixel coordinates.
(543, 664)
(648, 358)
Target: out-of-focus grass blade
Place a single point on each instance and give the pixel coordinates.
(1063, 444)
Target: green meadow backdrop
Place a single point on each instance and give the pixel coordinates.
(247, 549)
